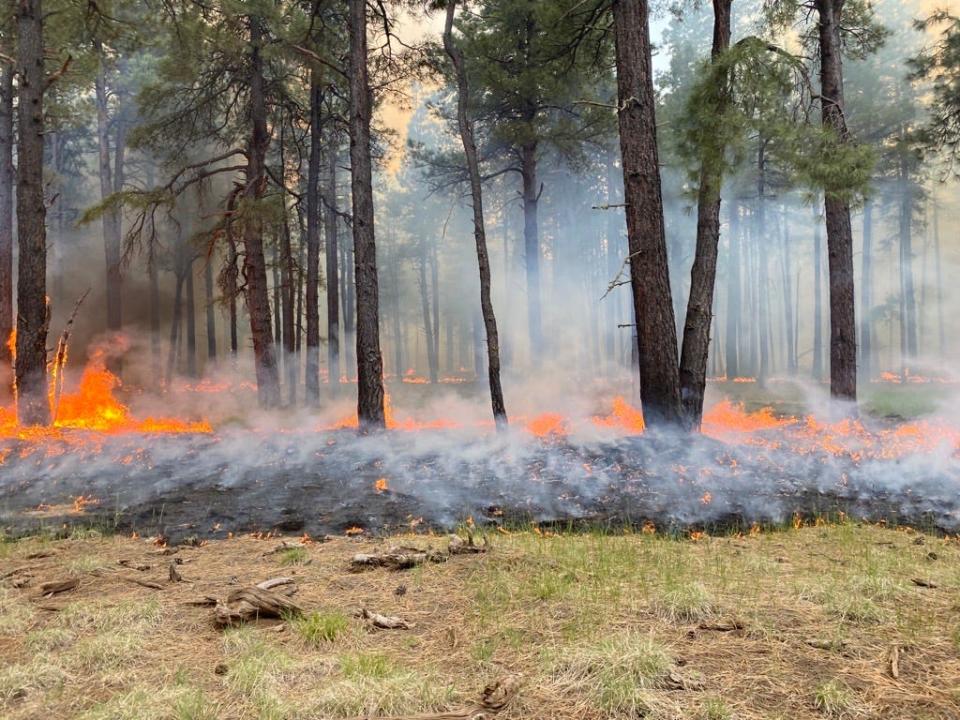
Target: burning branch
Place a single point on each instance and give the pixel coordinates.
(61, 357)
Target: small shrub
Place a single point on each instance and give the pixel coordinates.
(687, 602)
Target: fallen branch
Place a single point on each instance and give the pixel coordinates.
(396, 558)
(921, 582)
(895, 662)
(384, 622)
(144, 583)
(722, 626)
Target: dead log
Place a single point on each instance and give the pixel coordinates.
(922, 582)
(17, 571)
(53, 587)
(250, 603)
(493, 700)
(384, 622)
(205, 601)
(396, 558)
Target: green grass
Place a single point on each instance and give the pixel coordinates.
(318, 627)
(294, 556)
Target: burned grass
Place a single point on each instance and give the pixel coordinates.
(814, 622)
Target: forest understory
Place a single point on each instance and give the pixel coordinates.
(809, 621)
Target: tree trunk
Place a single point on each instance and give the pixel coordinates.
(33, 317)
(818, 290)
(332, 255)
(175, 323)
(111, 218)
(941, 331)
(763, 264)
(254, 265)
(428, 328)
(190, 311)
(208, 293)
(649, 270)
(703, 274)
(531, 248)
(435, 303)
(734, 308)
(866, 293)
(370, 410)
(788, 309)
(231, 274)
(287, 271)
(908, 301)
(843, 326)
(312, 358)
(6, 219)
(479, 230)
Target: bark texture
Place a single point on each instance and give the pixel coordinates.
(254, 265)
(649, 272)
(479, 229)
(33, 407)
(331, 240)
(6, 217)
(370, 405)
(843, 325)
(703, 274)
(111, 218)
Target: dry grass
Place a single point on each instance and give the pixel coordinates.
(782, 625)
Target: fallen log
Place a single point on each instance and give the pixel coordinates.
(924, 583)
(141, 567)
(384, 622)
(493, 700)
(144, 583)
(250, 603)
(275, 582)
(396, 558)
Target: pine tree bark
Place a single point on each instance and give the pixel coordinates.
(190, 312)
(312, 356)
(843, 326)
(370, 403)
(703, 274)
(331, 240)
(6, 220)
(649, 270)
(288, 291)
(33, 407)
(479, 229)
(254, 264)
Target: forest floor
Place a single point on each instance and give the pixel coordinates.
(829, 621)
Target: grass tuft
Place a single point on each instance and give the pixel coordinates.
(616, 672)
(833, 698)
(294, 556)
(320, 627)
(685, 602)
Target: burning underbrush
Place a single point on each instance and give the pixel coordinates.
(173, 477)
(152, 473)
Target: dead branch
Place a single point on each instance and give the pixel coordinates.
(61, 356)
(384, 622)
(396, 558)
(250, 603)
